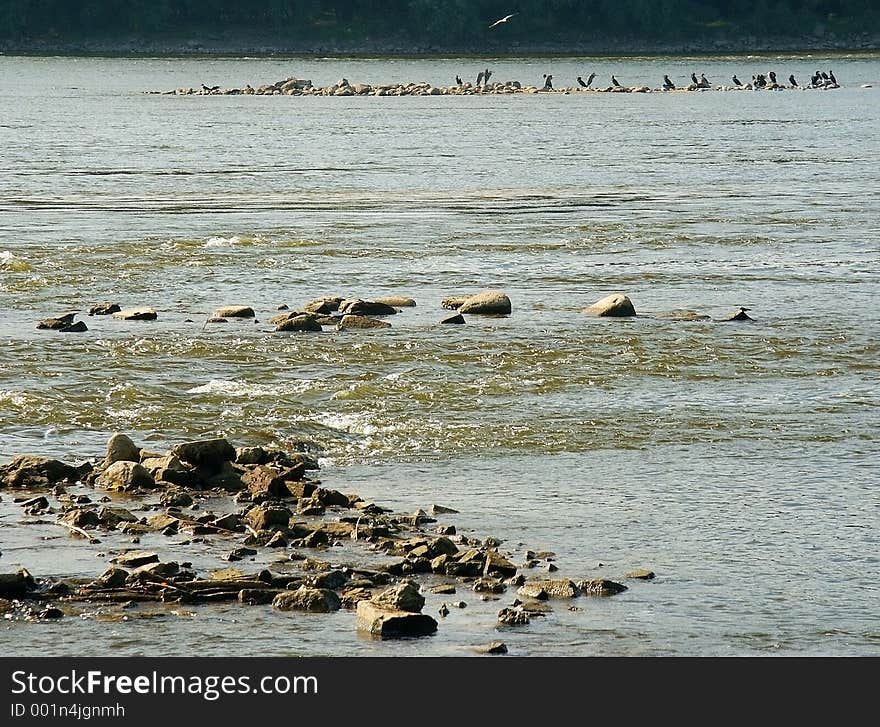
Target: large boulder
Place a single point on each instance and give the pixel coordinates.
(402, 597)
(616, 305)
(123, 476)
(488, 302)
(120, 448)
(207, 454)
(32, 471)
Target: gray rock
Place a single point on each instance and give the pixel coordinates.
(111, 578)
(454, 302)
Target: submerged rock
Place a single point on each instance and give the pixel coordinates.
(104, 309)
(296, 323)
(357, 322)
(600, 587)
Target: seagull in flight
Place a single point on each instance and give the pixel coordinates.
(502, 20)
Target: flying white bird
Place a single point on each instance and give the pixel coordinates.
(502, 20)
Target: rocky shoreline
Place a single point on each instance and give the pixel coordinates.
(335, 551)
(328, 550)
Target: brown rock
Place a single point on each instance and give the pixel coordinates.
(616, 305)
(488, 302)
(136, 314)
(315, 600)
(235, 311)
(601, 587)
(387, 623)
(125, 475)
(356, 322)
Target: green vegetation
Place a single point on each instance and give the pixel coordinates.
(433, 25)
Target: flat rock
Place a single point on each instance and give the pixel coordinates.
(136, 558)
(31, 471)
(388, 623)
(543, 589)
(235, 311)
(640, 574)
(104, 309)
(600, 587)
(136, 314)
(397, 301)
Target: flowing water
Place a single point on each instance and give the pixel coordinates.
(738, 461)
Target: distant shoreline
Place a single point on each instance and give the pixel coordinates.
(214, 46)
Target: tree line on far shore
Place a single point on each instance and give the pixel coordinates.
(433, 24)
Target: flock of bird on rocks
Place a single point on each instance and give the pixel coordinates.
(293, 86)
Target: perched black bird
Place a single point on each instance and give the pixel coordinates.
(590, 79)
(792, 81)
(486, 75)
(772, 75)
(581, 82)
(458, 80)
(736, 81)
(615, 82)
(825, 76)
(832, 78)
(704, 82)
(480, 78)
(667, 84)
(694, 79)
(814, 79)
(548, 82)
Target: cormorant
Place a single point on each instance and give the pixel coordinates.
(581, 82)
(548, 82)
(792, 81)
(486, 75)
(772, 75)
(831, 76)
(590, 79)
(615, 82)
(814, 80)
(737, 81)
(480, 78)
(825, 76)
(694, 79)
(667, 84)
(704, 82)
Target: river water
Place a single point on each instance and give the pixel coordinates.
(738, 461)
